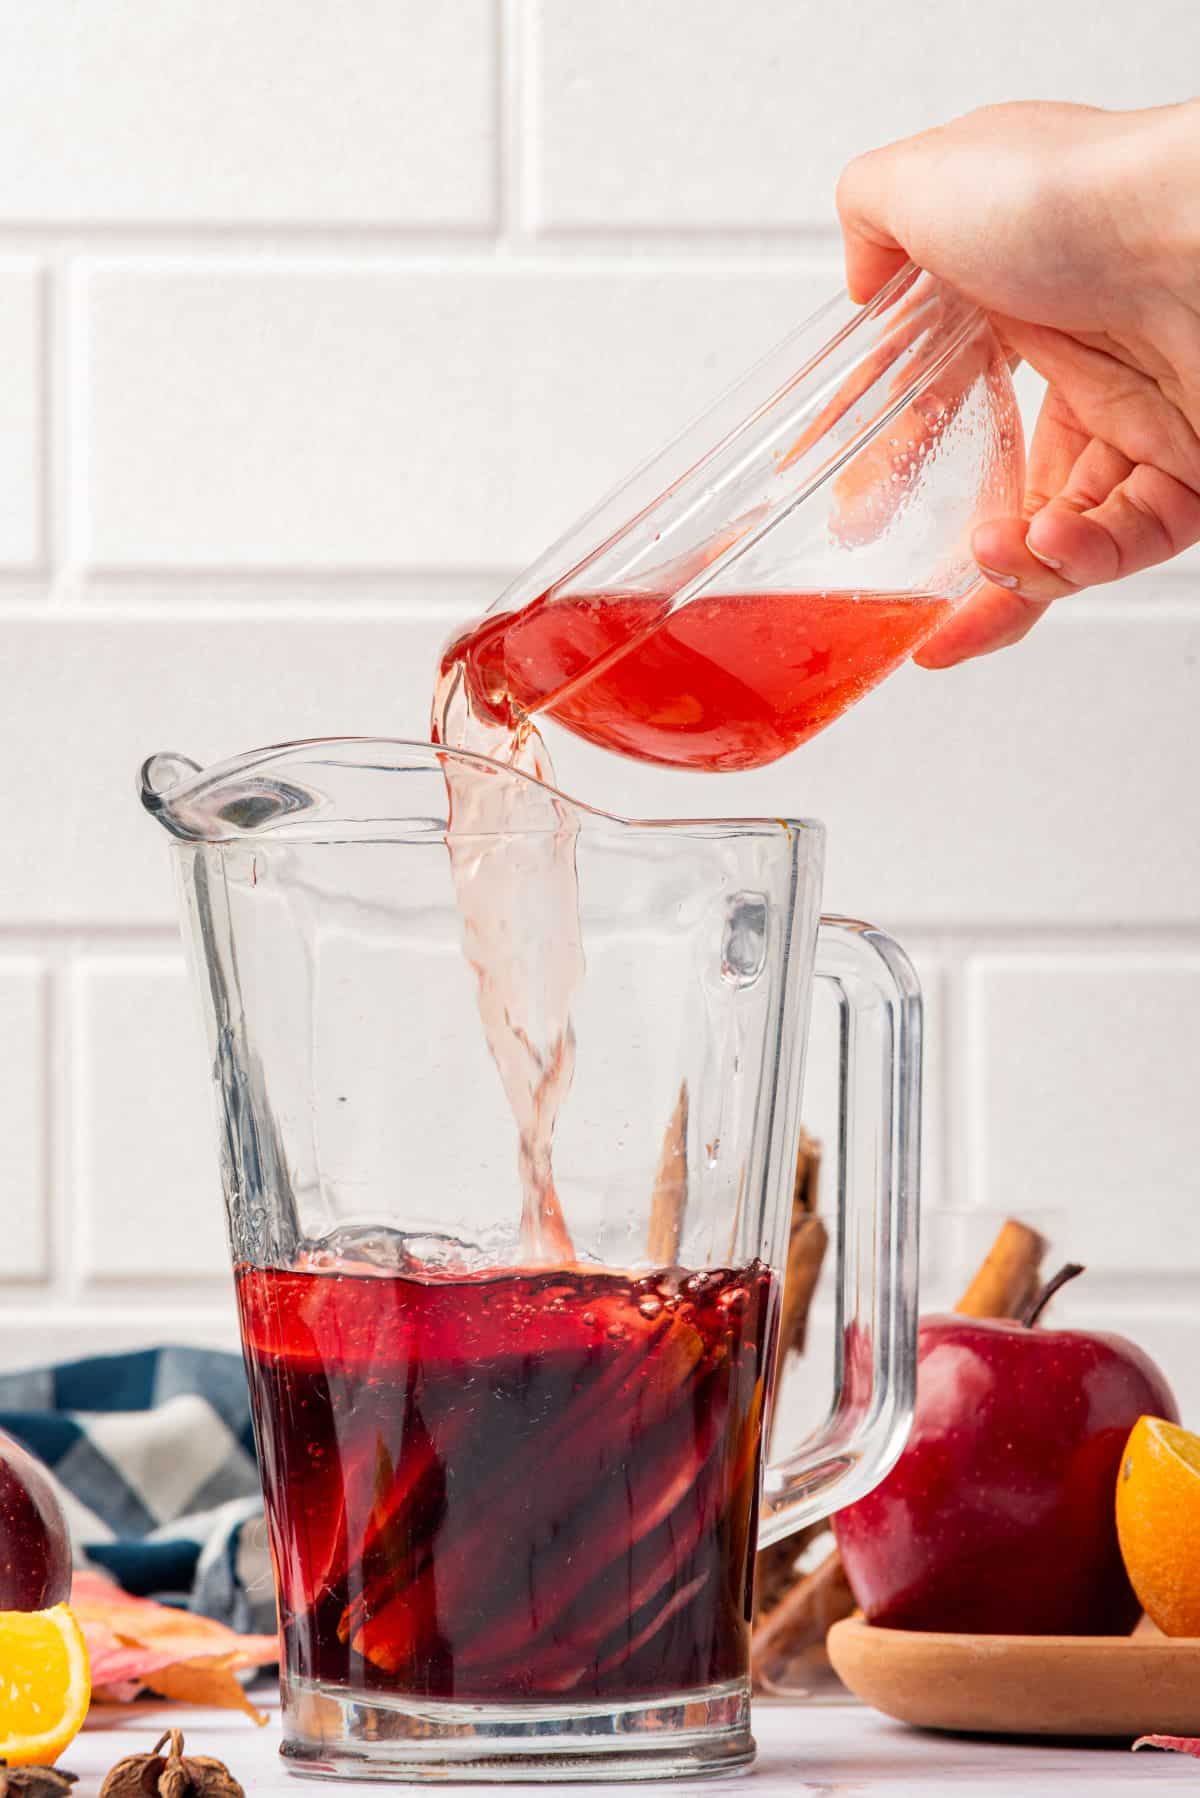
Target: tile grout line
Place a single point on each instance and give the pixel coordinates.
(507, 87)
(47, 1195)
(520, 252)
(60, 447)
(957, 1183)
(68, 433)
(941, 1102)
(967, 1097)
(94, 587)
(1155, 945)
(47, 401)
(64, 1094)
(265, 240)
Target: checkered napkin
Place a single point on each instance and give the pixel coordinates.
(153, 1457)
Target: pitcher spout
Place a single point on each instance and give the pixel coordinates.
(344, 788)
(211, 805)
(158, 778)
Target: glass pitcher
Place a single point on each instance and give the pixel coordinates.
(769, 567)
(514, 1497)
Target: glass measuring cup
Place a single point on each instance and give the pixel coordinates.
(774, 562)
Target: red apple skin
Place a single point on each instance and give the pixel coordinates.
(999, 1517)
(35, 1546)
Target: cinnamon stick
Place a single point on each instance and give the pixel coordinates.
(807, 1242)
(790, 1632)
(668, 1201)
(1008, 1277)
(794, 1630)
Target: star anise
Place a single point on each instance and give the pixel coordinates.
(34, 1782)
(170, 1775)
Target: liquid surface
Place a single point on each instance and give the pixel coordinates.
(730, 681)
(532, 1486)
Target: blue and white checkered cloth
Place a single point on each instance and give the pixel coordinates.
(153, 1457)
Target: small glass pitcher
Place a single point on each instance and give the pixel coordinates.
(513, 1500)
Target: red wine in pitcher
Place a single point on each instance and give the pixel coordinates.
(504, 1488)
(729, 681)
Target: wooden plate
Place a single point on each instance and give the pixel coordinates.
(1023, 1685)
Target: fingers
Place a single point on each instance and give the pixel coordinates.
(1004, 557)
(1068, 473)
(1058, 441)
(1113, 399)
(873, 253)
(1145, 518)
(869, 266)
(1111, 520)
(1140, 517)
(993, 618)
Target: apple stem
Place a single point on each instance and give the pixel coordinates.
(1041, 1299)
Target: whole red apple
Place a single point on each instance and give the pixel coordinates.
(35, 1547)
(999, 1516)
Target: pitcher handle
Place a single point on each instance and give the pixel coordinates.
(879, 1133)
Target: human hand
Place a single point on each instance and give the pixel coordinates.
(1078, 233)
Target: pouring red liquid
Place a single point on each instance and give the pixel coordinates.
(536, 1485)
(729, 681)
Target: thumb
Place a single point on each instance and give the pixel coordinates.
(873, 252)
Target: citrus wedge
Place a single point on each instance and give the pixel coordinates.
(45, 1686)
(1158, 1523)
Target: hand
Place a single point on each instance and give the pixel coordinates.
(1078, 233)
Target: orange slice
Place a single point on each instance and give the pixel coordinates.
(45, 1687)
(1158, 1523)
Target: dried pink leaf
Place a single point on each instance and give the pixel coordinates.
(1175, 1744)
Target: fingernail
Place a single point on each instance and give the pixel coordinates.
(1046, 561)
(998, 579)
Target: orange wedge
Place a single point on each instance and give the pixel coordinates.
(1158, 1523)
(45, 1687)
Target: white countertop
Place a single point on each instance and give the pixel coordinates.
(813, 1748)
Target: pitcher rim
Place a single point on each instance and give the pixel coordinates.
(160, 800)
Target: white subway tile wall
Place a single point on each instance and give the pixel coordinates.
(200, 113)
(387, 416)
(141, 1149)
(315, 324)
(650, 117)
(21, 420)
(23, 1117)
(1084, 1082)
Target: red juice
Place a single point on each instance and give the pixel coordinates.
(730, 681)
(527, 1486)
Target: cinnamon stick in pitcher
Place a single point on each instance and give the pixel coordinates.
(668, 1201)
(774, 1572)
(791, 1630)
(807, 1242)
